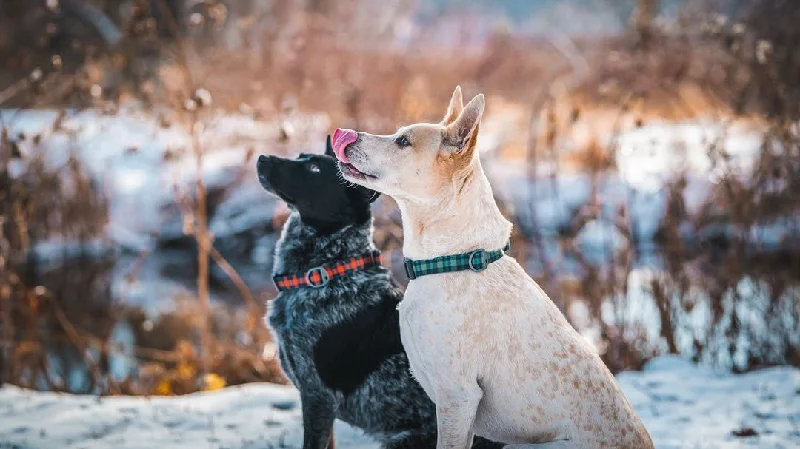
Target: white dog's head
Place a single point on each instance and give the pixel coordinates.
(418, 161)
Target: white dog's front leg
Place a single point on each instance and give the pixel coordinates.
(455, 416)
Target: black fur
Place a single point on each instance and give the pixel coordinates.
(340, 344)
(350, 351)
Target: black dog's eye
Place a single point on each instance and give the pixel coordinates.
(402, 141)
(313, 168)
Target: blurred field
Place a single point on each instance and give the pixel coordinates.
(647, 152)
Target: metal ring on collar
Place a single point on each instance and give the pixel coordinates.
(471, 260)
(323, 275)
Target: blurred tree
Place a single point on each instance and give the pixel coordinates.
(777, 55)
(642, 21)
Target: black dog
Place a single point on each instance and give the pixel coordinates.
(338, 331)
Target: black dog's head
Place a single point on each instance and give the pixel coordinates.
(312, 185)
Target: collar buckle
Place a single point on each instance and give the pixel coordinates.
(409, 266)
(323, 276)
(477, 260)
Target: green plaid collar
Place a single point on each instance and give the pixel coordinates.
(476, 261)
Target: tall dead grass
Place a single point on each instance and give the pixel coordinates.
(709, 66)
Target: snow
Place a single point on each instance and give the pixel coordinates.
(681, 404)
(685, 406)
(139, 158)
(253, 416)
(650, 156)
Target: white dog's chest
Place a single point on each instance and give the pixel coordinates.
(426, 323)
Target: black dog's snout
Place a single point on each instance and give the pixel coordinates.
(262, 161)
(263, 169)
(264, 165)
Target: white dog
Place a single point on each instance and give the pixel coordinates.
(487, 345)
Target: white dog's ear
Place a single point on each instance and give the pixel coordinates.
(461, 134)
(454, 108)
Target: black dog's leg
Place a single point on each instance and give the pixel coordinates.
(412, 441)
(318, 417)
(483, 443)
(428, 441)
(331, 442)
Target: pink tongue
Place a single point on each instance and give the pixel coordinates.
(341, 139)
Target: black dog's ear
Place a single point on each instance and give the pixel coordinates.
(329, 147)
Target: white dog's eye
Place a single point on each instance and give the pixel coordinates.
(313, 168)
(402, 141)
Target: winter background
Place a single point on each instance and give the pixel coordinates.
(647, 152)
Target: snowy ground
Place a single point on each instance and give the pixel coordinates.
(683, 406)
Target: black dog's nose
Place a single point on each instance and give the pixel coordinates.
(263, 169)
(264, 162)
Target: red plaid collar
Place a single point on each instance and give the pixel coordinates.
(320, 276)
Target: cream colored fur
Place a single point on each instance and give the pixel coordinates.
(490, 348)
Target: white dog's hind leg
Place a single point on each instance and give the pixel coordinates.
(455, 415)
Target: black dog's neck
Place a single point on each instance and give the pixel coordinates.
(303, 246)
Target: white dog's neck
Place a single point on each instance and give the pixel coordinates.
(464, 219)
